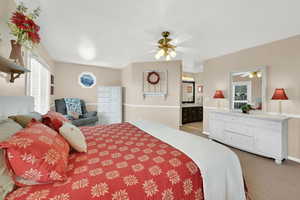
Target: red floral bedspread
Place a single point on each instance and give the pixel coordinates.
(122, 163)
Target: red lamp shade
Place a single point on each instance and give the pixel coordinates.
(279, 94)
(219, 95)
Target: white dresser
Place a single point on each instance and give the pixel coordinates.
(261, 134)
(109, 102)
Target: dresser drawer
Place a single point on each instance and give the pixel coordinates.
(239, 141)
(239, 129)
(264, 124)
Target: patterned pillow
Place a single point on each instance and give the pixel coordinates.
(54, 120)
(37, 154)
(74, 136)
(73, 105)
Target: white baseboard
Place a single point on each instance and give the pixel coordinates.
(205, 132)
(294, 159)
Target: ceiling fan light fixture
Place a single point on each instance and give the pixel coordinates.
(173, 54)
(168, 57)
(165, 48)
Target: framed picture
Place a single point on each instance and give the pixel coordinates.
(52, 79)
(52, 90)
(87, 80)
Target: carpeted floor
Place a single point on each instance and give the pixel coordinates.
(265, 179)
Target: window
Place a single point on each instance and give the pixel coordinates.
(39, 84)
(241, 94)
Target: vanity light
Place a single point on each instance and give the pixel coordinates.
(258, 74)
(280, 95)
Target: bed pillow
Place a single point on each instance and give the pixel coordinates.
(74, 136)
(37, 155)
(24, 120)
(8, 127)
(54, 120)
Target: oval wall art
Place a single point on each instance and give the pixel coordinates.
(87, 80)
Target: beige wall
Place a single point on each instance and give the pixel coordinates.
(18, 87)
(198, 77)
(155, 108)
(283, 62)
(66, 81)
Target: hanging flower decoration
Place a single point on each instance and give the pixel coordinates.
(23, 27)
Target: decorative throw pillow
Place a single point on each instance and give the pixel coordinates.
(36, 154)
(74, 115)
(74, 136)
(54, 120)
(73, 105)
(23, 120)
(8, 127)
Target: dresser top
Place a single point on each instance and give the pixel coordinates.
(256, 115)
(186, 105)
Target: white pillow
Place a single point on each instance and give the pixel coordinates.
(8, 127)
(6, 181)
(74, 136)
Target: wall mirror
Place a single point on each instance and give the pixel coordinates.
(188, 92)
(248, 87)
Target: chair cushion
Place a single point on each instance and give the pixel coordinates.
(85, 121)
(37, 154)
(74, 136)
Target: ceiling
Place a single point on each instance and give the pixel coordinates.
(113, 33)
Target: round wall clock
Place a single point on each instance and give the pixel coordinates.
(153, 78)
(87, 80)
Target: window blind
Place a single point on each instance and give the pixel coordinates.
(39, 85)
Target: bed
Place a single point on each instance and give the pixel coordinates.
(139, 160)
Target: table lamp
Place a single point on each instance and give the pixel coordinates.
(218, 95)
(279, 94)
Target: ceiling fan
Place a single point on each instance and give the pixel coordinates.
(165, 47)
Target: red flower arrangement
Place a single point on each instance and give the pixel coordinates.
(24, 28)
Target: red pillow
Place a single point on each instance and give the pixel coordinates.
(37, 154)
(54, 120)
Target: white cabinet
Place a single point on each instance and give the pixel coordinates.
(109, 102)
(264, 135)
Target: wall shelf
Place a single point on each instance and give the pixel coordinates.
(11, 68)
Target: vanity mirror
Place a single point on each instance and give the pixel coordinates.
(188, 92)
(248, 87)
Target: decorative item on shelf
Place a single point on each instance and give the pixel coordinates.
(165, 48)
(23, 27)
(87, 80)
(153, 78)
(246, 108)
(280, 95)
(155, 83)
(218, 95)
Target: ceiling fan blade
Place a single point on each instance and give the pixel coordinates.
(185, 49)
(180, 39)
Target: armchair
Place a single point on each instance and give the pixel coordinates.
(86, 119)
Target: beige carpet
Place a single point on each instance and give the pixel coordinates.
(265, 179)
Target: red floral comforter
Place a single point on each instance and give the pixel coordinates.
(122, 163)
